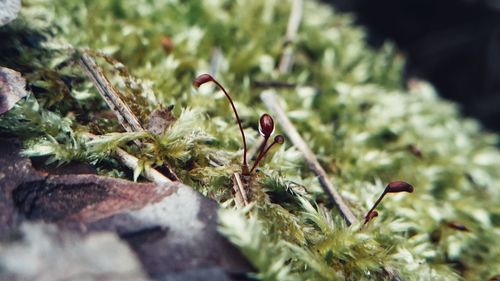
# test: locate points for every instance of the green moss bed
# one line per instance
(348, 101)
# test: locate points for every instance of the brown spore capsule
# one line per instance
(399, 186)
(279, 139)
(167, 44)
(202, 79)
(266, 125)
(371, 216)
(393, 187)
(457, 226)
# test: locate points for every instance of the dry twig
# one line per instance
(273, 105)
(215, 61)
(291, 33)
(273, 84)
(240, 196)
(132, 162)
(122, 111)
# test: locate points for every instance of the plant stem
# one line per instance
(239, 124)
(375, 205)
(272, 103)
(261, 155)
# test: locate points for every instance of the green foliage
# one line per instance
(267, 253)
(349, 104)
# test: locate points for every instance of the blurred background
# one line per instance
(454, 44)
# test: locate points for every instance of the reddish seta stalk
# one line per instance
(393, 187)
(279, 139)
(266, 126)
(204, 78)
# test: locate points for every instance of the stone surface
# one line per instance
(14, 171)
(83, 197)
(12, 87)
(210, 274)
(47, 253)
(9, 10)
(172, 229)
(175, 234)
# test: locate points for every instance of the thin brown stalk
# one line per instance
(289, 129)
(238, 120)
(254, 150)
(262, 151)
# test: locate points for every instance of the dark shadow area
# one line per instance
(455, 44)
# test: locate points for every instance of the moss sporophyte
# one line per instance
(393, 187)
(266, 127)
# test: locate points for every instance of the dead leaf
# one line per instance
(12, 87)
(160, 119)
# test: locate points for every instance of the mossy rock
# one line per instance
(350, 102)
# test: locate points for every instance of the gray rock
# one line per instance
(172, 229)
(11, 86)
(203, 274)
(46, 253)
(14, 170)
(9, 10)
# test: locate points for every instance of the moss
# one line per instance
(350, 105)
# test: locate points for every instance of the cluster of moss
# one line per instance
(348, 101)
